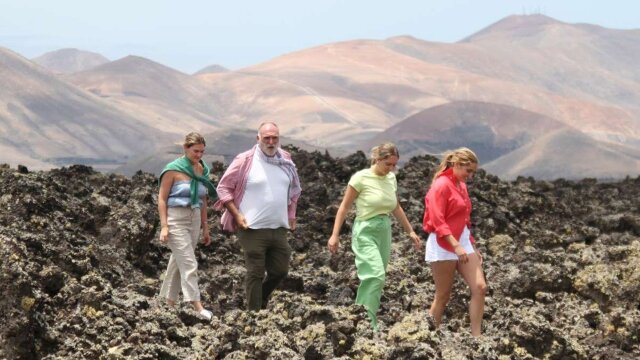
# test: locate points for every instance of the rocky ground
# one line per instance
(81, 268)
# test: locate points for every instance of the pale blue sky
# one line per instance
(191, 34)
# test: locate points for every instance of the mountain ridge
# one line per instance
(345, 94)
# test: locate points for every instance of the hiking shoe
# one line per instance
(205, 314)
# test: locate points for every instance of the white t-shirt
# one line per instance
(266, 196)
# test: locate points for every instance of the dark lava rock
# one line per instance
(81, 266)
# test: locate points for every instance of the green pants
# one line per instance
(371, 244)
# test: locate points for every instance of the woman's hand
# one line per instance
(206, 238)
(417, 243)
(164, 235)
(333, 244)
(461, 254)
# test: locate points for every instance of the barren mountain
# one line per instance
(222, 145)
(343, 95)
(491, 130)
(567, 153)
(212, 69)
(346, 92)
(576, 60)
(66, 61)
(47, 121)
(166, 98)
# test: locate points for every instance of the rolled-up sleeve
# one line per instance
(293, 200)
(437, 201)
(227, 184)
(291, 208)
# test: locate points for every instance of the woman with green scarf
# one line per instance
(182, 205)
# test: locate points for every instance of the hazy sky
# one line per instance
(191, 34)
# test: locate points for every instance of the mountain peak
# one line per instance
(212, 69)
(70, 60)
(136, 64)
(515, 24)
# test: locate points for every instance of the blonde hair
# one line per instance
(463, 156)
(383, 151)
(193, 138)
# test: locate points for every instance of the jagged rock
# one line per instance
(81, 269)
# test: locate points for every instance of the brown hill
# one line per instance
(576, 60)
(222, 145)
(491, 130)
(344, 93)
(47, 121)
(165, 98)
(66, 61)
(211, 69)
(590, 64)
(567, 153)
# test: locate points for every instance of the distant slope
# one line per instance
(50, 121)
(222, 145)
(580, 61)
(11, 156)
(166, 98)
(344, 93)
(211, 69)
(566, 59)
(67, 61)
(569, 154)
(491, 130)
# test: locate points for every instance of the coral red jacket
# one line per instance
(447, 209)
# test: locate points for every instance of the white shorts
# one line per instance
(435, 252)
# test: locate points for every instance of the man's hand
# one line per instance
(242, 222)
(292, 224)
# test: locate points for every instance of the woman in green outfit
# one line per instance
(374, 191)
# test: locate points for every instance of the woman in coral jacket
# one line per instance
(450, 245)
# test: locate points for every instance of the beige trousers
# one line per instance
(182, 270)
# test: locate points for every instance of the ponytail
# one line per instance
(462, 156)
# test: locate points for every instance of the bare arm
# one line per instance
(350, 196)
(163, 196)
(235, 212)
(206, 237)
(457, 248)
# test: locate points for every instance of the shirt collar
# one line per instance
(448, 173)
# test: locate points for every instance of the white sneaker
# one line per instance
(205, 314)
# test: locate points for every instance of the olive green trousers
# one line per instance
(264, 250)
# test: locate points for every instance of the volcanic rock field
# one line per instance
(81, 269)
